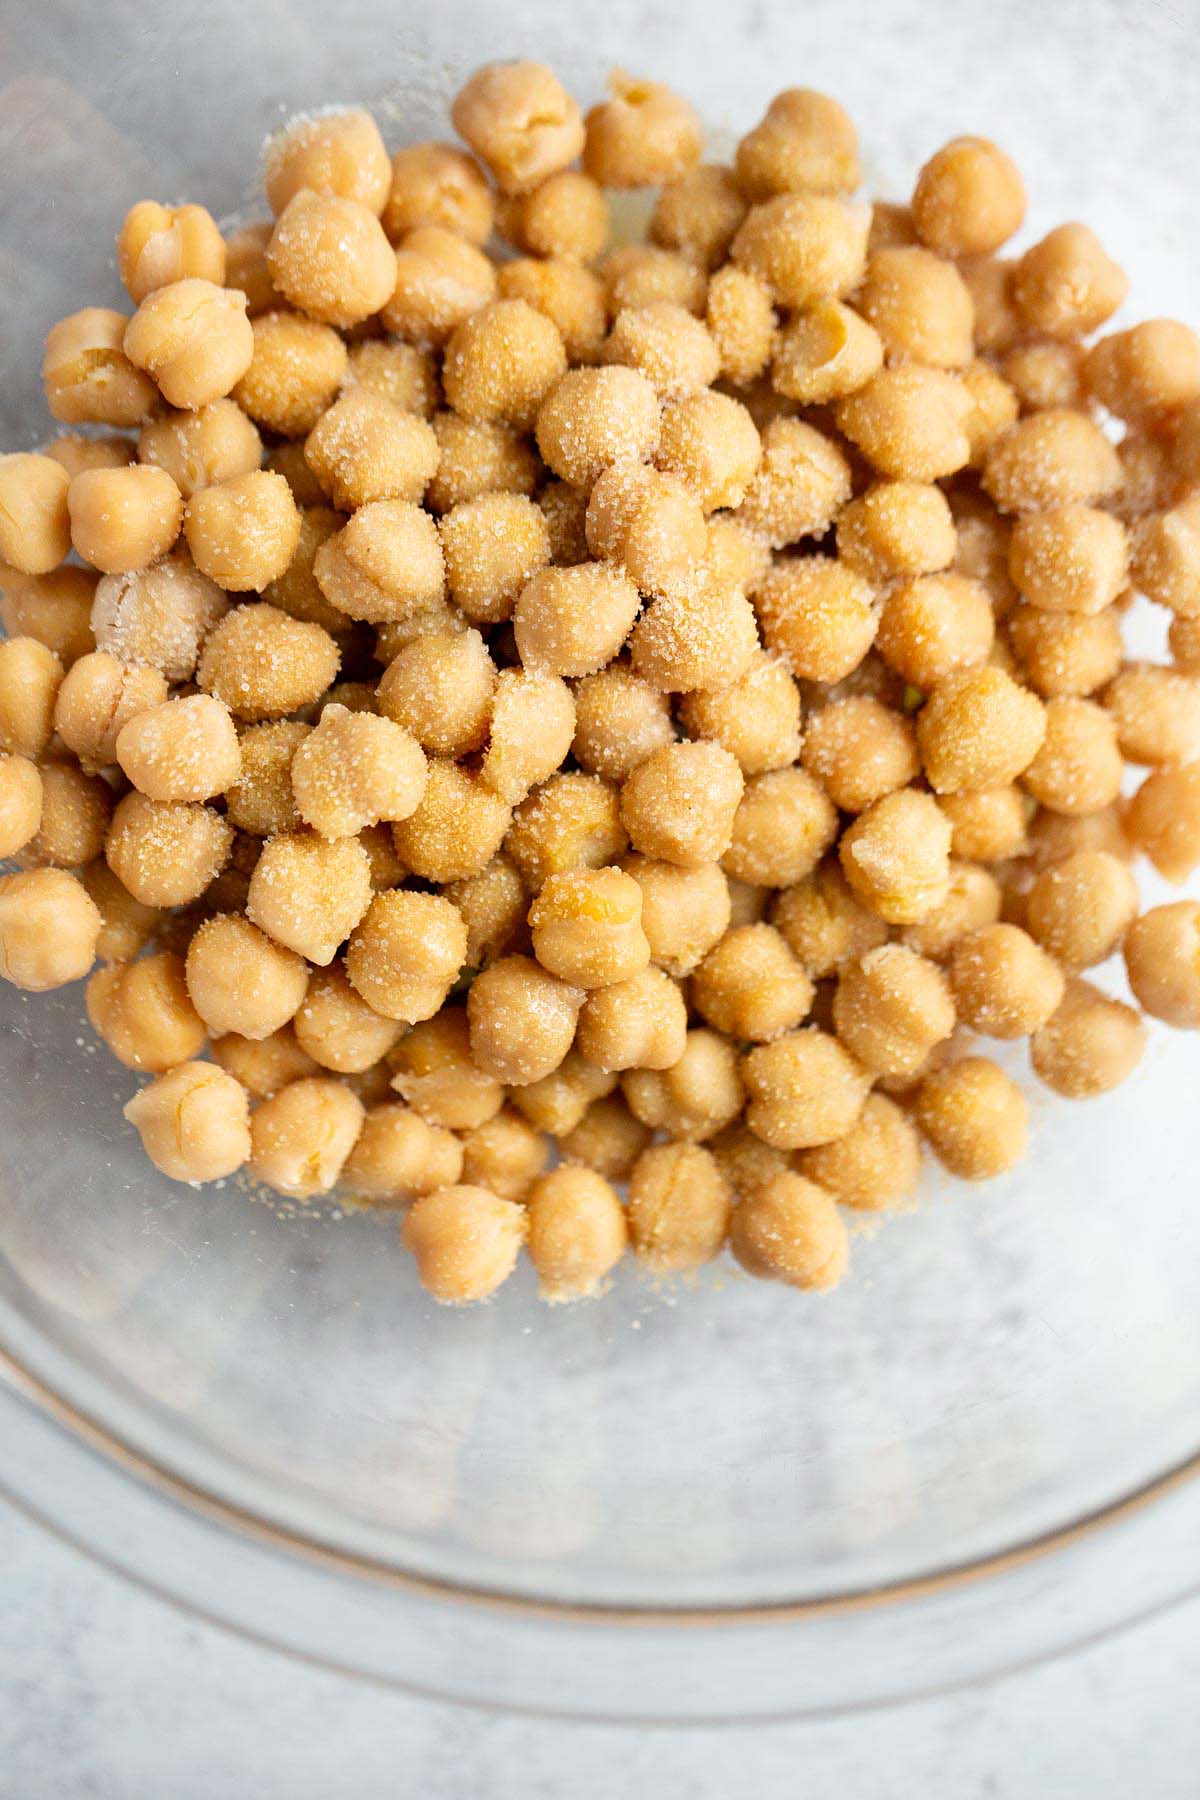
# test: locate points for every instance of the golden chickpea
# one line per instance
(337, 1029)
(437, 1076)
(980, 729)
(198, 449)
(405, 954)
(818, 615)
(577, 1233)
(892, 1009)
(736, 556)
(896, 529)
(465, 1241)
(679, 804)
(365, 448)
(439, 281)
(157, 245)
(1045, 373)
(932, 626)
(126, 925)
(1066, 285)
(398, 1156)
(1070, 558)
(30, 679)
(556, 1103)
(35, 526)
(261, 801)
(876, 1164)
(1165, 562)
(911, 422)
(750, 986)
(860, 750)
(184, 749)
(263, 1066)
(652, 525)
(572, 821)
(711, 443)
(741, 322)
(640, 274)
(158, 617)
(1078, 768)
(1089, 1045)
(329, 257)
(566, 216)
(295, 371)
(397, 372)
(803, 1089)
(1149, 479)
(385, 564)
(76, 809)
(804, 246)
(637, 1023)
(744, 1160)
(699, 214)
(493, 544)
(520, 121)
(166, 854)
(896, 856)
(1164, 820)
(587, 927)
(679, 1208)
(440, 689)
(693, 1099)
(193, 1122)
(89, 378)
(994, 407)
(123, 519)
(457, 828)
(1156, 711)
(1054, 459)
(193, 339)
(974, 1117)
(338, 152)
(493, 905)
(644, 136)
(20, 803)
(55, 609)
(756, 718)
(805, 142)
(240, 981)
(684, 911)
(1004, 984)
(969, 198)
(667, 345)
(246, 266)
(790, 1230)
(570, 296)
(608, 1139)
(522, 1020)
(532, 718)
(355, 770)
(619, 719)
(594, 417)
(49, 926)
(826, 352)
(1184, 643)
(263, 664)
(1066, 653)
(1162, 959)
(573, 621)
(920, 307)
(302, 1136)
(436, 184)
(502, 362)
(1147, 373)
(783, 825)
(504, 1154)
(309, 893)
(972, 900)
(989, 824)
(1079, 909)
(243, 533)
(824, 924)
(989, 279)
(297, 591)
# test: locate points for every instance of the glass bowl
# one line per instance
(718, 1500)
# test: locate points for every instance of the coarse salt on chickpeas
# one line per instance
(1165, 560)
(912, 422)
(805, 142)
(1065, 653)
(569, 295)
(365, 448)
(30, 679)
(123, 519)
(593, 417)
(804, 246)
(974, 1117)
(520, 122)
(501, 362)
(980, 729)
(679, 1208)
(398, 1156)
(693, 1099)
(875, 1165)
(860, 749)
(711, 443)
(679, 804)
(1183, 640)
(49, 926)
(803, 1089)
(1044, 372)
(818, 615)
(757, 717)
(1070, 558)
(619, 719)
(89, 378)
(1089, 1044)
(897, 528)
(263, 664)
(261, 800)
(1145, 374)
(919, 305)
(246, 266)
(577, 1232)
(465, 1241)
(456, 829)
(405, 953)
(240, 981)
(782, 827)
(824, 923)
(790, 1230)
(193, 1122)
(969, 198)
(1005, 985)
(741, 320)
(76, 809)
(301, 1136)
(309, 893)
(572, 821)
(35, 525)
(896, 856)
(750, 986)
(933, 625)
(295, 371)
(1056, 458)
(891, 1009)
(1078, 768)
(644, 135)
(1162, 959)
(651, 524)
(493, 904)
(556, 1103)
(573, 621)
(336, 152)
(522, 1020)
(243, 533)
(1163, 820)
(439, 687)
(329, 256)
(492, 545)
(1157, 714)
(385, 564)
(989, 824)
(397, 372)
(183, 749)
(166, 853)
(636, 1023)
(1066, 285)
(608, 1138)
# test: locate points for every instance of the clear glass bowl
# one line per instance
(721, 1500)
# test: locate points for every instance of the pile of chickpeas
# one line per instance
(545, 713)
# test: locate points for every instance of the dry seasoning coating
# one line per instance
(661, 702)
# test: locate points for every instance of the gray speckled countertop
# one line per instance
(106, 1694)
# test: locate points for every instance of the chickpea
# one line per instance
(790, 1230)
(465, 1241)
(564, 509)
(405, 954)
(783, 825)
(1079, 909)
(1184, 642)
(398, 1156)
(756, 718)
(619, 719)
(198, 449)
(860, 750)
(365, 448)
(572, 821)
(1147, 373)
(126, 925)
(55, 609)
(297, 591)
(639, 275)
(1065, 286)
(309, 893)
(263, 1066)
(337, 1029)
(911, 422)
(157, 245)
(437, 1076)
(158, 617)
(1066, 653)
(973, 899)
(493, 545)
(804, 246)
(493, 904)
(1148, 477)
(570, 296)
(679, 804)
(440, 689)
(980, 729)
(667, 345)
(636, 1023)
(522, 1020)
(330, 258)
(1164, 820)
(969, 198)
(440, 280)
(1089, 1045)
(1078, 768)
(892, 1009)
(240, 981)
(876, 1165)
(531, 724)
(693, 1099)
(89, 378)
(566, 216)
(436, 184)
(355, 770)
(1162, 959)
(76, 809)
(592, 418)
(896, 856)
(302, 1136)
(296, 369)
(919, 306)
(806, 142)
(736, 556)
(684, 911)
(1055, 459)
(20, 803)
(1045, 373)
(193, 1122)
(1070, 558)
(994, 407)
(827, 351)
(557, 1102)
(166, 853)
(502, 362)
(1004, 984)
(35, 526)
(243, 533)
(183, 749)
(823, 923)
(193, 339)
(818, 615)
(30, 679)
(261, 801)
(989, 824)
(520, 121)
(608, 1139)
(587, 927)
(896, 529)
(397, 372)
(123, 519)
(1157, 714)
(710, 442)
(932, 626)
(385, 564)
(457, 828)
(803, 1089)
(263, 664)
(339, 153)
(573, 621)
(974, 1117)
(644, 136)
(577, 1232)
(1166, 558)
(679, 1208)
(741, 321)
(698, 214)
(246, 266)
(650, 523)
(49, 926)
(1054, 836)
(505, 1155)
(750, 986)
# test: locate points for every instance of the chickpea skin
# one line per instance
(501, 363)
(1146, 374)
(89, 378)
(974, 1118)
(594, 417)
(193, 1122)
(35, 524)
(790, 1230)
(679, 1208)
(301, 1137)
(123, 519)
(876, 1165)
(1162, 960)
(465, 1241)
(1165, 561)
(49, 926)
(896, 856)
(803, 1089)
(1089, 1045)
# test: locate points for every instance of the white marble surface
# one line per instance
(106, 1694)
